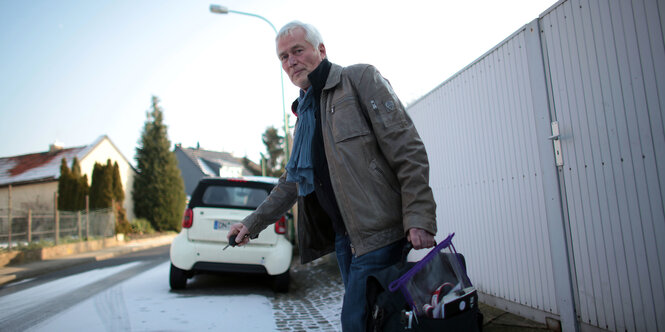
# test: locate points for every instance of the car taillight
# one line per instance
(280, 226)
(188, 218)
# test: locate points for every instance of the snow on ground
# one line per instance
(14, 303)
(145, 303)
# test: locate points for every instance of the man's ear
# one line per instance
(322, 50)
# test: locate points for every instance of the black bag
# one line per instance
(390, 311)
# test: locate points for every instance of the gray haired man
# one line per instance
(358, 170)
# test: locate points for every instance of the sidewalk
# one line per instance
(322, 273)
(317, 290)
(14, 273)
(497, 320)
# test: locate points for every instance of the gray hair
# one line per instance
(312, 36)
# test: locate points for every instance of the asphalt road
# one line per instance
(41, 303)
(312, 303)
(18, 314)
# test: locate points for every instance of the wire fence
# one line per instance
(19, 227)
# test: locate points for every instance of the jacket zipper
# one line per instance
(374, 107)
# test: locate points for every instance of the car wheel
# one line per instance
(280, 282)
(177, 278)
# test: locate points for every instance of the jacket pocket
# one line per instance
(389, 109)
(382, 177)
(346, 119)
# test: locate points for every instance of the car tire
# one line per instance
(177, 278)
(280, 282)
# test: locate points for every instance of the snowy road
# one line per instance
(145, 303)
(131, 293)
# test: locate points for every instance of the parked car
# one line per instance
(215, 205)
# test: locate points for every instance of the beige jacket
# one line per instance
(378, 168)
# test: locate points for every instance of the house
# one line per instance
(195, 163)
(33, 178)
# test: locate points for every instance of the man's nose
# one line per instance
(292, 61)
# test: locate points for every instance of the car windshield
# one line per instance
(237, 197)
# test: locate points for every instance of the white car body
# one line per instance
(199, 248)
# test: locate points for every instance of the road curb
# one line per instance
(33, 269)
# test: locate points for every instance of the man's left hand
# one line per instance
(420, 238)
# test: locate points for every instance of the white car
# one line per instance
(215, 205)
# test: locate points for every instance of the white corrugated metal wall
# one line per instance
(606, 63)
(478, 129)
(492, 173)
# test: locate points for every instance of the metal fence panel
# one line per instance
(98, 223)
(606, 62)
(605, 66)
(478, 131)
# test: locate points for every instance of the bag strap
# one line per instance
(405, 253)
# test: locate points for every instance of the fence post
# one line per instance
(57, 218)
(78, 222)
(87, 217)
(29, 225)
(113, 231)
(9, 219)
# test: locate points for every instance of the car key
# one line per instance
(232, 243)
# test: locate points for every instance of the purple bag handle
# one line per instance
(409, 274)
(400, 283)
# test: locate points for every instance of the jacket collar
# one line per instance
(334, 76)
(319, 76)
(320, 79)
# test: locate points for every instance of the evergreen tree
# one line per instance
(76, 168)
(276, 163)
(64, 187)
(79, 185)
(122, 224)
(72, 187)
(118, 192)
(84, 191)
(101, 189)
(159, 191)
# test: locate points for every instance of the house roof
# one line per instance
(210, 161)
(42, 166)
(36, 167)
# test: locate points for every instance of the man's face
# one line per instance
(298, 57)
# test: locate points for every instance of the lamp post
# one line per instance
(217, 9)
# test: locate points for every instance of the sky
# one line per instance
(72, 71)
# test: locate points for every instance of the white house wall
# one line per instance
(35, 197)
(100, 153)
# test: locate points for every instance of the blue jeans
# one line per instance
(355, 270)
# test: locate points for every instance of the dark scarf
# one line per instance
(300, 168)
(307, 150)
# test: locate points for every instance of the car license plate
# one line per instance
(222, 225)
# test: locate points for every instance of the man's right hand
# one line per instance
(420, 238)
(241, 233)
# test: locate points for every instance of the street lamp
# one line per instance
(217, 9)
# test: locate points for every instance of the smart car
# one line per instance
(216, 204)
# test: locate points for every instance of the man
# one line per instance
(358, 170)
